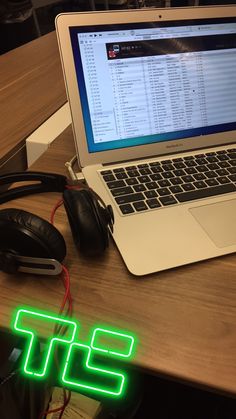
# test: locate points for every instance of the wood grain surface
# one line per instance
(184, 319)
(31, 90)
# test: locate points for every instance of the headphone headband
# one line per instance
(50, 182)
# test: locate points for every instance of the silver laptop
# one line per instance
(152, 95)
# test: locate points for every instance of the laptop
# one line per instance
(152, 95)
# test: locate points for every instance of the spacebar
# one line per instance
(205, 192)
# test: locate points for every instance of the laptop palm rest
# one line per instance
(219, 221)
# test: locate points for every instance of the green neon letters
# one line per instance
(82, 369)
(98, 371)
(32, 334)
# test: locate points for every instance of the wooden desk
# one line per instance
(185, 318)
(31, 90)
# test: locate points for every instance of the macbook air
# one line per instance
(152, 95)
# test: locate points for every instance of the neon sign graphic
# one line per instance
(80, 369)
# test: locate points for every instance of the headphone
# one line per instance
(29, 243)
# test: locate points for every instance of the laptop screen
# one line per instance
(159, 81)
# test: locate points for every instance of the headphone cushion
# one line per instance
(89, 230)
(30, 235)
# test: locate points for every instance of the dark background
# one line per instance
(24, 20)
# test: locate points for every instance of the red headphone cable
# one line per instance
(66, 299)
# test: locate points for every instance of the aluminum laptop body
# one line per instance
(152, 95)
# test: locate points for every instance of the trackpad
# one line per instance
(219, 221)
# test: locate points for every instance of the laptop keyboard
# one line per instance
(159, 184)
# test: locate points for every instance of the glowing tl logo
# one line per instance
(90, 375)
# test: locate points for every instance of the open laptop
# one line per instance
(152, 95)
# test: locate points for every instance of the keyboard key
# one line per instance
(122, 191)
(167, 167)
(168, 175)
(116, 184)
(164, 183)
(222, 172)
(211, 153)
(109, 178)
(199, 176)
(223, 180)
(166, 161)
(200, 184)
(232, 177)
(121, 175)
(188, 187)
(142, 166)
(163, 191)
(205, 193)
(132, 173)
(132, 181)
(144, 179)
(126, 209)
(188, 178)
(203, 168)
(213, 166)
(212, 159)
(189, 158)
(190, 170)
(232, 155)
(223, 164)
(150, 194)
(201, 161)
(191, 163)
(145, 171)
(131, 168)
(223, 157)
(153, 203)
(126, 199)
(199, 156)
(156, 176)
(140, 206)
(212, 182)
(176, 181)
(211, 174)
(179, 165)
(140, 187)
(168, 200)
(106, 172)
(176, 189)
(118, 170)
(154, 163)
(157, 169)
(151, 185)
(179, 172)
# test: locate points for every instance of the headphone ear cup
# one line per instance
(89, 225)
(29, 235)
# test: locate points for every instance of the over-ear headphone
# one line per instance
(28, 243)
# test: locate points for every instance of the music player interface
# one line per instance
(158, 83)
